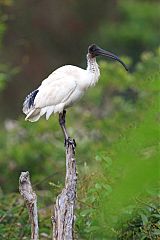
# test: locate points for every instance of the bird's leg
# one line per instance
(62, 122)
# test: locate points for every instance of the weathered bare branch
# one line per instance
(30, 198)
(63, 220)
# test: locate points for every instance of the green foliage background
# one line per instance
(116, 126)
(135, 29)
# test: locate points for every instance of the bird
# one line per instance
(64, 87)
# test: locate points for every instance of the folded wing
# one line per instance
(49, 98)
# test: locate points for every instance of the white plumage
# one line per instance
(65, 86)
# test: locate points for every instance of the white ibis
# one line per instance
(63, 87)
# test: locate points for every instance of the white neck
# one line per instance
(93, 68)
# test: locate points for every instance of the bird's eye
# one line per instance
(92, 49)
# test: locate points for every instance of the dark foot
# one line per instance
(70, 142)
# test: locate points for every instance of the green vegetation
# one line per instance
(2, 66)
(6, 71)
(128, 167)
(135, 29)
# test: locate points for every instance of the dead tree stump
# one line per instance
(30, 198)
(64, 218)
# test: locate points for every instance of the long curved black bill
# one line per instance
(105, 53)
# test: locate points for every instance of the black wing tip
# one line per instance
(32, 97)
(29, 100)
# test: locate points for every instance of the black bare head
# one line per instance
(95, 51)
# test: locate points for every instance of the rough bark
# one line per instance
(63, 219)
(30, 198)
